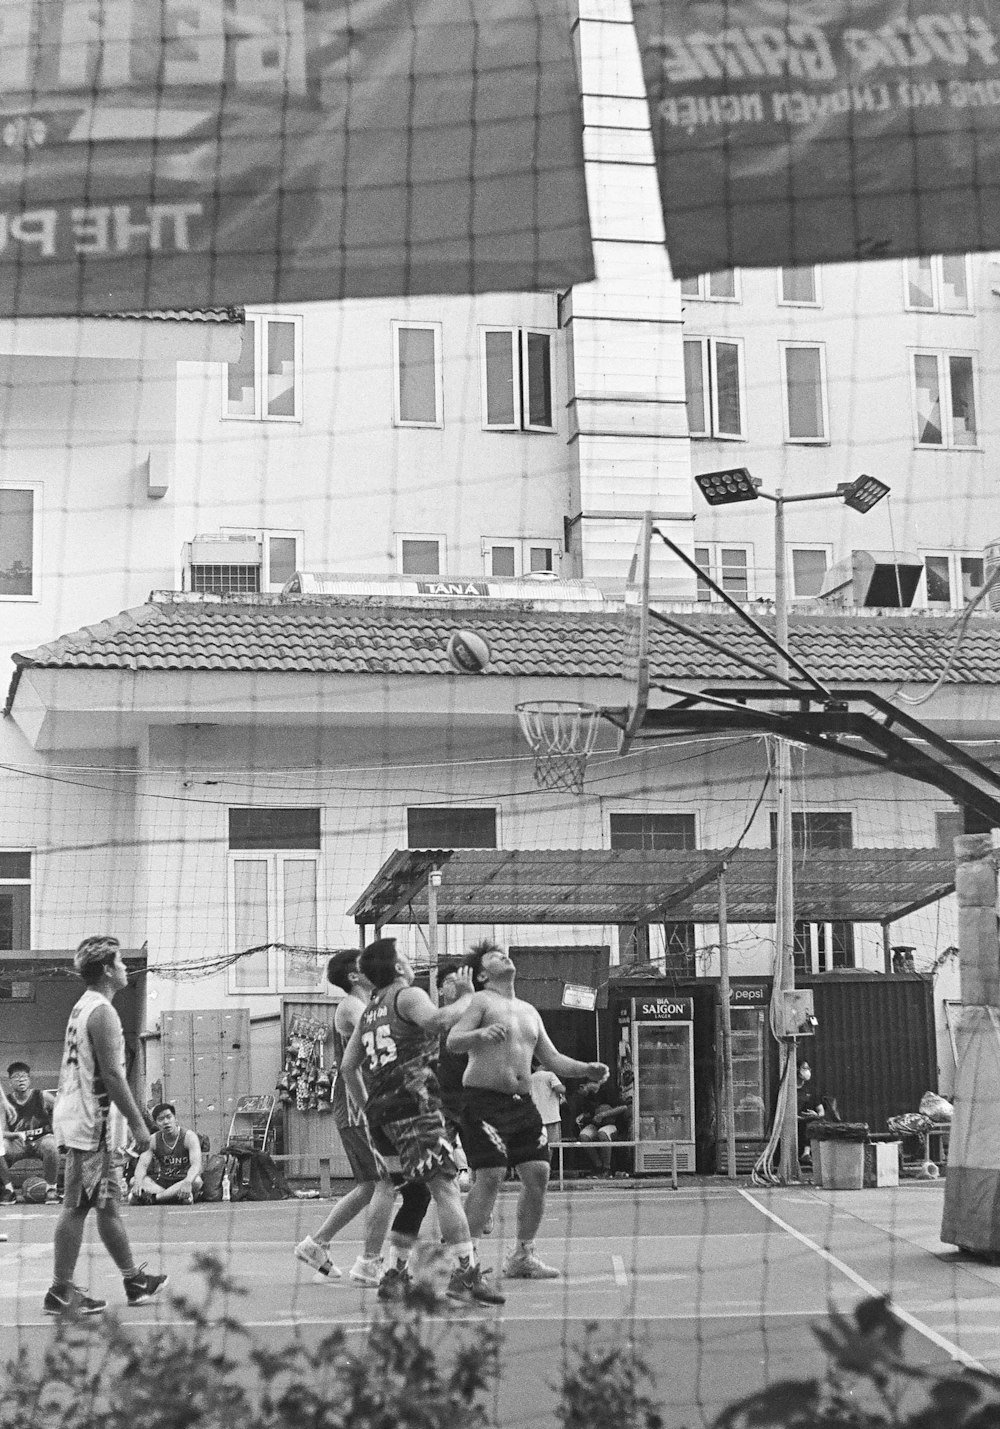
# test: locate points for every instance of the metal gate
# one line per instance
(206, 1067)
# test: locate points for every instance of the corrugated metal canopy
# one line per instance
(861, 885)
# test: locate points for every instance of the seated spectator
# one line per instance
(28, 1133)
(599, 1121)
(813, 1105)
(176, 1153)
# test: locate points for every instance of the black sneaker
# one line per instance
(7, 1196)
(395, 1284)
(140, 1287)
(70, 1300)
(470, 1286)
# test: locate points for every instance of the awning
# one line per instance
(607, 886)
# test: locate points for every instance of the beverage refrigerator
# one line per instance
(663, 1066)
(748, 1018)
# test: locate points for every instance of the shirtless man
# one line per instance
(501, 1126)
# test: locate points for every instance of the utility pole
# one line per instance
(785, 899)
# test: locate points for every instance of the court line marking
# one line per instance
(954, 1351)
(619, 1268)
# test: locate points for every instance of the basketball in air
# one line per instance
(468, 653)
(34, 1189)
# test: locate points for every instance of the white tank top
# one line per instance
(84, 1117)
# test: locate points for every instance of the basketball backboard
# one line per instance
(635, 653)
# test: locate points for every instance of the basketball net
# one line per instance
(561, 734)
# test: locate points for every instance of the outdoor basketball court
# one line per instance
(718, 1287)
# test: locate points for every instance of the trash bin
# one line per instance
(838, 1149)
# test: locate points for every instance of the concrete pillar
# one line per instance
(972, 1189)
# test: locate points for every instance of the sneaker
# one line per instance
(52, 1196)
(3, 1237)
(71, 1301)
(395, 1284)
(315, 1255)
(367, 1271)
(7, 1196)
(525, 1265)
(470, 1286)
(140, 1287)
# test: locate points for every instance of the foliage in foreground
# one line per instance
(408, 1370)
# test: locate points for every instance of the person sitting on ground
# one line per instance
(29, 1131)
(177, 1152)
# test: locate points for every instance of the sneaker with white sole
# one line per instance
(70, 1300)
(140, 1287)
(367, 1270)
(312, 1253)
(525, 1265)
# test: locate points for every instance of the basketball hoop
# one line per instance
(561, 734)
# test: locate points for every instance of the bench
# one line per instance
(560, 1148)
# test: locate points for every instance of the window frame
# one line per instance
(617, 811)
(824, 547)
(493, 809)
(704, 293)
(806, 845)
(265, 534)
(442, 546)
(715, 549)
(710, 386)
(278, 983)
(956, 600)
(943, 357)
(800, 344)
(262, 319)
(936, 304)
(520, 361)
(26, 883)
(35, 488)
(815, 302)
(398, 420)
(822, 931)
(522, 546)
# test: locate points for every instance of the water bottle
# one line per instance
(226, 1189)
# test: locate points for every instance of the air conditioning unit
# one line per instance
(224, 565)
(991, 559)
(884, 579)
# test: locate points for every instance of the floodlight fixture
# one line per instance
(722, 488)
(862, 494)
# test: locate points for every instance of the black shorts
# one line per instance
(359, 1153)
(499, 1129)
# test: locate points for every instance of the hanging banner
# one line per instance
(195, 153)
(823, 131)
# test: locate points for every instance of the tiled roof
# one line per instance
(333, 635)
(184, 315)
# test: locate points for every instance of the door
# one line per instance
(206, 1067)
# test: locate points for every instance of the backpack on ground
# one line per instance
(212, 1171)
(254, 1176)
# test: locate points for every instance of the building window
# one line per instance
(948, 824)
(516, 377)
(799, 287)
(518, 556)
(823, 947)
(15, 901)
(803, 367)
(951, 580)
(420, 555)
(273, 897)
(451, 828)
(809, 566)
(19, 529)
(721, 287)
(944, 399)
(816, 829)
(417, 389)
(713, 384)
(652, 832)
(242, 562)
(728, 566)
(265, 384)
(938, 284)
